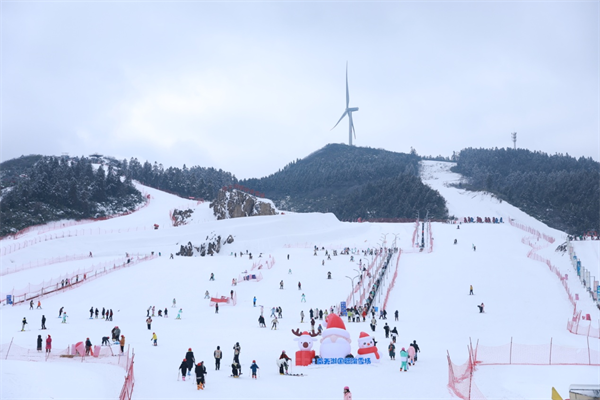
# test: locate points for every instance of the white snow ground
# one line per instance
(523, 299)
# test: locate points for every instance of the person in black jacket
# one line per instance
(39, 343)
(184, 368)
(236, 352)
(218, 355)
(200, 372)
(88, 346)
(235, 368)
(191, 360)
(43, 322)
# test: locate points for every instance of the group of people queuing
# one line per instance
(407, 357)
(152, 309)
(107, 314)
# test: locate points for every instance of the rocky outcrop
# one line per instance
(234, 203)
(211, 246)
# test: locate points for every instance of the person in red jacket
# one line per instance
(48, 344)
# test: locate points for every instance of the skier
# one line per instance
(212, 277)
(174, 303)
(160, 314)
(43, 322)
(392, 351)
(60, 312)
(261, 322)
(88, 346)
(24, 323)
(39, 306)
(283, 362)
(184, 369)
(396, 315)
(122, 344)
(206, 295)
(179, 314)
(92, 312)
(480, 308)
(299, 286)
(254, 301)
(154, 338)
(417, 349)
(218, 355)
(166, 313)
(411, 355)
(394, 333)
(274, 323)
(110, 314)
(115, 333)
(328, 275)
(148, 311)
(39, 343)
(281, 285)
(347, 394)
(31, 304)
(303, 299)
(149, 322)
(302, 316)
(48, 344)
(386, 328)
(470, 290)
(189, 356)
(216, 308)
(153, 309)
(200, 372)
(254, 368)
(404, 359)
(237, 349)
(96, 313)
(373, 324)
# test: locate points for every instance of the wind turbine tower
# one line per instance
(349, 110)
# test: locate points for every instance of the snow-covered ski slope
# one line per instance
(523, 300)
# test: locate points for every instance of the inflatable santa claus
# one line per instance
(335, 341)
(367, 348)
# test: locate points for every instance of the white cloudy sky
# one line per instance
(250, 86)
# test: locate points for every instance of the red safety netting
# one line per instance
(72, 280)
(460, 379)
(393, 280)
(529, 229)
(41, 263)
(127, 391)
(261, 263)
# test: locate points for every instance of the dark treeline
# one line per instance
(348, 182)
(10, 170)
(562, 191)
(55, 188)
(196, 182)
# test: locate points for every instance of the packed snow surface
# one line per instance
(523, 301)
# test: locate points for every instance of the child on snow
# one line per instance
(404, 359)
(254, 368)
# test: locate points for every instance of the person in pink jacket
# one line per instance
(48, 344)
(411, 355)
(347, 394)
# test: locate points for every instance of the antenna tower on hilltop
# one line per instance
(514, 139)
(349, 110)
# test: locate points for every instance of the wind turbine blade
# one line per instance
(347, 92)
(342, 117)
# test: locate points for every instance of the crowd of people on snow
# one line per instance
(489, 220)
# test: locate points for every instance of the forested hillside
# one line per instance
(10, 170)
(61, 188)
(196, 182)
(350, 182)
(562, 191)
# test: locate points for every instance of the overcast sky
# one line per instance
(249, 87)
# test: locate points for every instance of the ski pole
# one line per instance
(178, 373)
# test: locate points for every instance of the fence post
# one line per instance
(550, 351)
(588, 344)
(9, 346)
(510, 355)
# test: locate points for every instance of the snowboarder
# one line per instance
(48, 344)
(149, 322)
(154, 338)
(43, 322)
(183, 368)
(470, 290)
(303, 299)
(480, 308)
(24, 323)
(283, 362)
(39, 343)
(218, 355)
(404, 359)
(254, 367)
(200, 372)
(235, 368)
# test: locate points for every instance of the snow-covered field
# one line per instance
(524, 301)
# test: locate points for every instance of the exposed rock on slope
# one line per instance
(234, 204)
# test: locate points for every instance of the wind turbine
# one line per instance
(348, 111)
